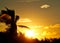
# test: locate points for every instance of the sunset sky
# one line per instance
(42, 16)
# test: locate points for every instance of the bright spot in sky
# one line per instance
(29, 34)
(45, 6)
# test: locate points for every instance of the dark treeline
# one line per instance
(23, 39)
(10, 36)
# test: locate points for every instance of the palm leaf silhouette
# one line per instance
(23, 26)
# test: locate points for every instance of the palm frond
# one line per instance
(23, 26)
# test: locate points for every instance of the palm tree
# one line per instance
(8, 17)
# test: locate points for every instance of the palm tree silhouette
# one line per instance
(8, 17)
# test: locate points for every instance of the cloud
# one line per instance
(55, 26)
(36, 26)
(25, 20)
(45, 6)
(45, 31)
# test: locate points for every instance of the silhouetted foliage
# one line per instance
(8, 17)
(10, 36)
(23, 26)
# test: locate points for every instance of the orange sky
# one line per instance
(41, 32)
(42, 16)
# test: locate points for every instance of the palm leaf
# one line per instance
(23, 26)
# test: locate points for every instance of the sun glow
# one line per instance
(29, 34)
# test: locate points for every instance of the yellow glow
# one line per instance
(29, 34)
(44, 33)
(37, 31)
(46, 27)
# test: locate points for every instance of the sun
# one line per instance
(29, 34)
